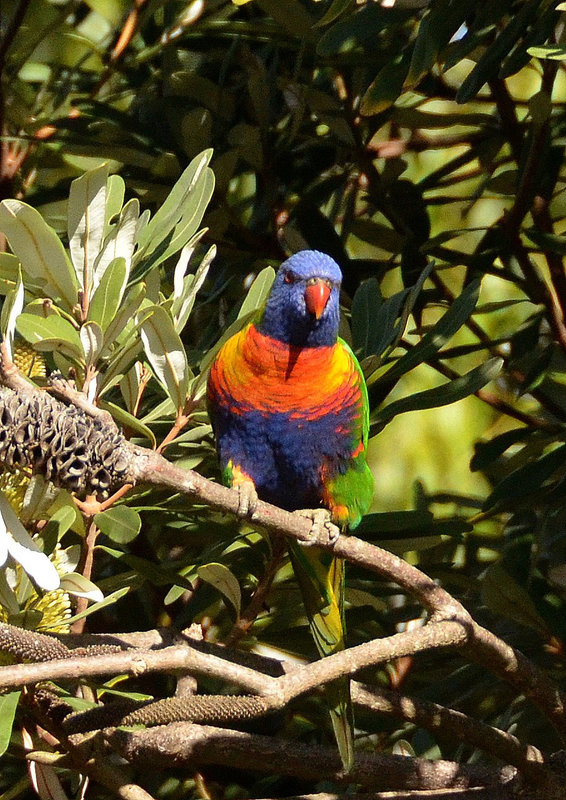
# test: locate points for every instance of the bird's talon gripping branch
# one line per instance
(323, 530)
(247, 498)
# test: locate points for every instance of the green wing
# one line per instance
(352, 489)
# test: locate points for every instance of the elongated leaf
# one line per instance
(108, 295)
(130, 387)
(8, 705)
(224, 581)
(502, 594)
(183, 305)
(488, 65)
(92, 339)
(444, 329)
(86, 218)
(386, 86)
(126, 420)
(11, 310)
(115, 191)
(125, 313)
(487, 452)
(78, 585)
(19, 544)
(184, 205)
(365, 306)
(109, 600)
(527, 479)
(120, 242)
(258, 292)
(50, 333)
(39, 249)
(439, 23)
(442, 395)
(166, 354)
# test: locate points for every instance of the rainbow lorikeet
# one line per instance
(289, 409)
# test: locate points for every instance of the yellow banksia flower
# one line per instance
(14, 486)
(29, 361)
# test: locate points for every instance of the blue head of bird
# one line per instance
(303, 306)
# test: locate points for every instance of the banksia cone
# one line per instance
(69, 448)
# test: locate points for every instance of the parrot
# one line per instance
(289, 408)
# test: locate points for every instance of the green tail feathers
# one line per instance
(321, 579)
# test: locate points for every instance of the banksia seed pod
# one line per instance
(69, 448)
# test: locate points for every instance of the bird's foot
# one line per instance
(323, 530)
(247, 498)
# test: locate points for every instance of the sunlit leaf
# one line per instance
(78, 585)
(92, 339)
(119, 243)
(166, 354)
(16, 541)
(219, 576)
(8, 705)
(108, 295)
(50, 333)
(86, 218)
(39, 249)
(11, 309)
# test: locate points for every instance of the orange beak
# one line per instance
(316, 297)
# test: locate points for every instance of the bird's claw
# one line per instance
(323, 531)
(247, 498)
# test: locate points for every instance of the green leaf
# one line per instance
(11, 310)
(86, 218)
(447, 393)
(258, 292)
(124, 314)
(527, 479)
(115, 191)
(489, 63)
(184, 301)
(224, 581)
(386, 86)
(166, 354)
(487, 452)
(503, 595)
(8, 705)
(119, 243)
(366, 305)
(179, 216)
(350, 33)
(392, 521)
(92, 339)
(437, 337)
(439, 23)
(548, 241)
(553, 51)
(127, 420)
(336, 9)
(40, 250)
(120, 523)
(51, 333)
(108, 294)
(108, 601)
(78, 585)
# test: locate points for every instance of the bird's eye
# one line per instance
(290, 277)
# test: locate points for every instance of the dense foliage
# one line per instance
(157, 158)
